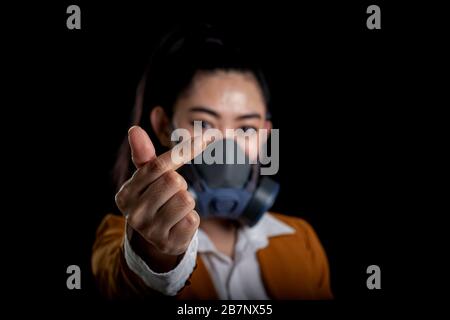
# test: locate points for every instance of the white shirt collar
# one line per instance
(258, 235)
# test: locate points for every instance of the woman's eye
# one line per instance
(248, 129)
(204, 124)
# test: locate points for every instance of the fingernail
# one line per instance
(132, 128)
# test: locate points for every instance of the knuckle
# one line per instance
(171, 179)
(162, 245)
(175, 247)
(192, 219)
(186, 199)
(183, 183)
(120, 200)
(157, 165)
(136, 216)
(122, 196)
(151, 235)
(142, 171)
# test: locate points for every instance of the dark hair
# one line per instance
(179, 56)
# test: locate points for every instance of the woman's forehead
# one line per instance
(225, 92)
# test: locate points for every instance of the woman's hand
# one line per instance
(160, 211)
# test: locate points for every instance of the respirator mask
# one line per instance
(229, 188)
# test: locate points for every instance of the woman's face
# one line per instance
(222, 100)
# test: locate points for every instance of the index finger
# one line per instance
(175, 158)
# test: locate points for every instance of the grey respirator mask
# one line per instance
(229, 189)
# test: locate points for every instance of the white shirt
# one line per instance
(238, 278)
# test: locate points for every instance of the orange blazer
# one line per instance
(293, 266)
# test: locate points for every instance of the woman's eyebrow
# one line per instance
(205, 110)
(216, 115)
(249, 116)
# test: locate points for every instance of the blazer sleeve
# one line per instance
(114, 278)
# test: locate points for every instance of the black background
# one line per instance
(341, 99)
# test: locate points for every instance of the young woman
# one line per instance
(179, 233)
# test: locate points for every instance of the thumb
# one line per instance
(142, 149)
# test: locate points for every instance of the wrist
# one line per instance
(157, 261)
